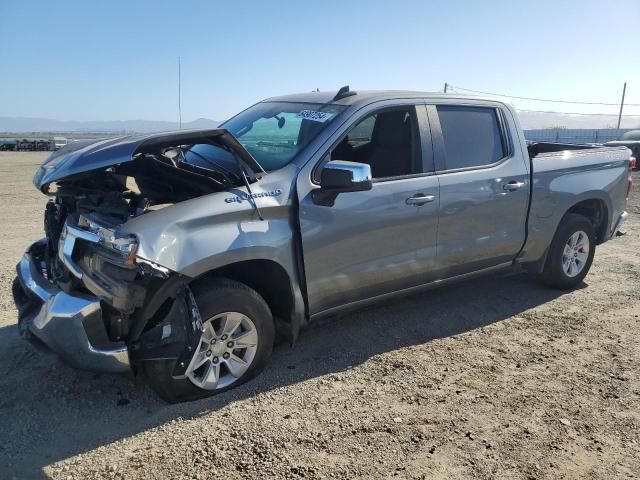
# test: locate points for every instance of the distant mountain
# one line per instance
(534, 120)
(529, 120)
(46, 125)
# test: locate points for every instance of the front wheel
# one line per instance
(236, 343)
(571, 253)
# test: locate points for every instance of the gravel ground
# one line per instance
(515, 381)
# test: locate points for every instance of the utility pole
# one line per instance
(179, 92)
(446, 86)
(624, 90)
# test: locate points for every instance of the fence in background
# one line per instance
(32, 144)
(557, 135)
(568, 135)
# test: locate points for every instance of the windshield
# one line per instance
(272, 132)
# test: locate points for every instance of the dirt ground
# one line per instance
(498, 378)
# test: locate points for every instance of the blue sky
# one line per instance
(117, 60)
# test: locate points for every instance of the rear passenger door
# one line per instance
(484, 187)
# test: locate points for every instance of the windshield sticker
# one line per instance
(315, 116)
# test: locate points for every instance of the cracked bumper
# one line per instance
(71, 325)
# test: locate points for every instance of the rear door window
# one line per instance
(472, 136)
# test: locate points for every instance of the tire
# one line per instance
(214, 298)
(20, 298)
(555, 274)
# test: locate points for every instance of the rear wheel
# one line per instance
(571, 253)
(235, 345)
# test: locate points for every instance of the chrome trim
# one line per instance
(83, 234)
(59, 323)
(67, 244)
(623, 216)
(360, 172)
(43, 291)
(64, 306)
(420, 199)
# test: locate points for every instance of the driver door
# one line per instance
(374, 242)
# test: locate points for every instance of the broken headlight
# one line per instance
(122, 246)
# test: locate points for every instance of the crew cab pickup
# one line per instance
(184, 255)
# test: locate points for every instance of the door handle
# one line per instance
(512, 186)
(420, 199)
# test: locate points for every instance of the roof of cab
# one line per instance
(368, 96)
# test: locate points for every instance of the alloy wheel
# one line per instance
(226, 349)
(575, 254)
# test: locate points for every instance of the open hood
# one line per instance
(81, 157)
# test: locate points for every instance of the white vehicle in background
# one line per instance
(59, 142)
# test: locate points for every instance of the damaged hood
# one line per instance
(82, 157)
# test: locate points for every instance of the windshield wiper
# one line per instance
(252, 200)
(247, 175)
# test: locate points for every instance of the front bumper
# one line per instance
(69, 324)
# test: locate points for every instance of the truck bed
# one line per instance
(565, 175)
(540, 148)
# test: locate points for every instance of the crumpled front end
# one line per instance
(94, 305)
(70, 324)
(83, 290)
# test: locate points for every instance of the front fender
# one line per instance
(204, 233)
(199, 235)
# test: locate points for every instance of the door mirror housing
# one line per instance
(338, 176)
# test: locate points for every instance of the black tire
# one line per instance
(214, 297)
(554, 275)
(20, 298)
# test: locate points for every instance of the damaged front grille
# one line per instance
(55, 216)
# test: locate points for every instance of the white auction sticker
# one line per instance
(315, 116)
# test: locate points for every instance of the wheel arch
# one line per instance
(597, 211)
(272, 282)
(593, 205)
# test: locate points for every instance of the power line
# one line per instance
(574, 113)
(541, 99)
(545, 111)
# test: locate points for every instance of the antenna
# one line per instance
(179, 99)
(343, 93)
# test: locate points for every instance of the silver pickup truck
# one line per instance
(185, 255)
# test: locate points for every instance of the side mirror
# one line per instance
(338, 176)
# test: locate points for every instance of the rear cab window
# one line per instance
(472, 136)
